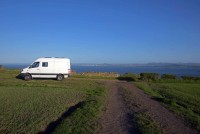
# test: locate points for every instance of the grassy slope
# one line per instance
(84, 119)
(183, 98)
(28, 107)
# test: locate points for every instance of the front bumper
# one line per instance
(20, 76)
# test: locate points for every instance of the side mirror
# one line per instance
(29, 67)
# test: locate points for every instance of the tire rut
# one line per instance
(116, 119)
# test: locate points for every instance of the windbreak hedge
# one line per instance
(149, 76)
(156, 77)
(128, 77)
(190, 78)
(168, 76)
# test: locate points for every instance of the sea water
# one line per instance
(178, 71)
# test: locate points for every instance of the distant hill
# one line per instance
(168, 65)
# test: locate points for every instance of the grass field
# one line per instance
(74, 105)
(33, 106)
(181, 97)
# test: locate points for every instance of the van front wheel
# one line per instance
(27, 77)
(60, 77)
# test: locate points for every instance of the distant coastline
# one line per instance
(168, 65)
(178, 69)
(196, 65)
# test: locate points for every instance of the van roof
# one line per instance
(53, 58)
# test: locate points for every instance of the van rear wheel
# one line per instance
(60, 77)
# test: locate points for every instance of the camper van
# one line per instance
(48, 67)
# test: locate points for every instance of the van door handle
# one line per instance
(38, 69)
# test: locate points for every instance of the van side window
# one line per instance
(35, 64)
(44, 64)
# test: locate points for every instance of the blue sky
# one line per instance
(100, 31)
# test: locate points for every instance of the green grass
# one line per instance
(146, 124)
(181, 97)
(30, 106)
(84, 119)
(147, 88)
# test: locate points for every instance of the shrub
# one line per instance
(190, 78)
(1, 67)
(168, 76)
(128, 77)
(149, 76)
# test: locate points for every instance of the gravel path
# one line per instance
(168, 121)
(116, 118)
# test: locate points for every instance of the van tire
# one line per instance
(27, 77)
(60, 77)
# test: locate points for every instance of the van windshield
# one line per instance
(35, 64)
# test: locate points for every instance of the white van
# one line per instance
(48, 67)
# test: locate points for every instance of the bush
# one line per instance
(128, 77)
(1, 67)
(149, 76)
(190, 78)
(168, 76)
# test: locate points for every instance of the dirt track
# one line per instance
(116, 117)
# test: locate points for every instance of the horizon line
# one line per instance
(122, 63)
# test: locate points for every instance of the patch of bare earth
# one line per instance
(117, 116)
